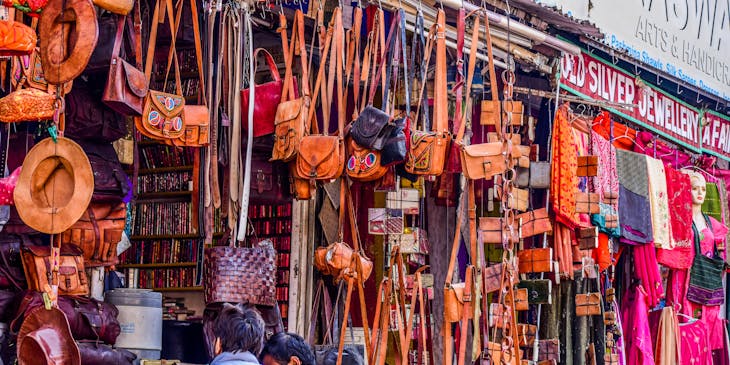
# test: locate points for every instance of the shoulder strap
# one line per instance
(469, 79)
(121, 20)
(199, 52)
(458, 88)
(490, 55)
(440, 106)
(424, 72)
(382, 62)
(352, 64)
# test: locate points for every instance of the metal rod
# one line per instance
(574, 99)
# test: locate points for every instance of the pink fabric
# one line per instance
(646, 269)
(695, 346)
(635, 320)
(607, 179)
(647, 144)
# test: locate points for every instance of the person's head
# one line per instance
(350, 356)
(699, 186)
(287, 349)
(239, 329)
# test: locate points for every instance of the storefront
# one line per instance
(424, 183)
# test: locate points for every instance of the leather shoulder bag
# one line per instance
(292, 113)
(427, 151)
(71, 275)
(98, 232)
(268, 96)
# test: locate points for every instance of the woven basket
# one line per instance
(240, 275)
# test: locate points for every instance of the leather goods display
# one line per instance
(535, 222)
(336, 260)
(126, 85)
(122, 7)
(45, 338)
(587, 238)
(520, 299)
(62, 59)
(268, 96)
(539, 291)
(500, 315)
(94, 353)
(427, 151)
(535, 260)
(526, 333)
(587, 166)
(89, 319)
(240, 274)
(16, 38)
(57, 169)
(27, 105)
(587, 203)
(494, 230)
(372, 128)
(705, 280)
(162, 114)
(98, 232)
(110, 180)
(518, 199)
(71, 275)
(503, 353)
(588, 304)
(89, 118)
(293, 112)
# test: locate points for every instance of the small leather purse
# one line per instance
(71, 275)
(535, 222)
(587, 166)
(587, 203)
(587, 238)
(548, 350)
(492, 230)
(535, 260)
(363, 164)
(126, 86)
(520, 299)
(500, 315)
(526, 334)
(588, 304)
(539, 291)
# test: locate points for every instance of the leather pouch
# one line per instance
(587, 238)
(320, 158)
(500, 315)
(502, 354)
(289, 125)
(611, 221)
(609, 318)
(268, 97)
(549, 349)
(520, 300)
(97, 233)
(492, 278)
(363, 164)
(336, 259)
(427, 152)
(126, 86)
(539, 291)
(495, 111)
(372, 128)
(493, 230)
(196, 129)
(535, 222)
(27, 105)
(454, 299)
(587, 166)
(587, 203)
(588, 304)
(610, 197)
(526, 334)
(162, 117)
(483, 161)
(535, 260)
(71, 275)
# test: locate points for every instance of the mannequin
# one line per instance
(699, 190)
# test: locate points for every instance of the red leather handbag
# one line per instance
(266, 100)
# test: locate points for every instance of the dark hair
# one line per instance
(240, 329)
(350, 356)
(282, 346)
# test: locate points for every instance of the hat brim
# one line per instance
(52, 220)
(49, 319)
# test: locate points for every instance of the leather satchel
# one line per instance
(428, 149)
(455, 296)
(268, 96)
(98, 232)
(364, 164)
(293, 112)
(587, 166)
(535, 222)
(535, 260)
(493, 230)
(336, 260)
(588, 304)
(71, 275)
(484, 160)
(126, 85)
(110, 180)
(587, 203)
(372, 128)
(88, 318)
(240, 274)
(94, 353)
(539, 291)
(520, 302)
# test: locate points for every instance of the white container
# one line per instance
(140, 318)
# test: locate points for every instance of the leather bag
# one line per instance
(94, 353)
(535, 260)
(588, 304)
(122, 7)
(535, 222)
(27, 105)
(364, 164)
(587, 203)
(503, 353)
(268, 96)
(88, 118)
(16, 38)
(587, 166)
(526, 333)
(126, 85)
(240, 274)
(98, 232)
(587, 238)
(427, 150)
(88, 318)
(292, 113)
(539, 291)
(110, 180)
(336, 260)
(485, 160)
(493, 230)
(11, 265)
(372, 128)
(519, 303)
(71, 275)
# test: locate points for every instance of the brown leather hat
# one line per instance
(64, 53)
(55, 186)
(45, 339)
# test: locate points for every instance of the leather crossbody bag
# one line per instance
(292, 113)
(427, 150)
(71, 275)
(98, 232)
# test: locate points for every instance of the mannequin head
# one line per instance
(699, 187)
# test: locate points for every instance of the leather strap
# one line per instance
(490, 55)
(469, 80)
(418, 57)
(246, 192)
(297, 40)
(353, 59)
(469, 283)
(458, 88)
(441, 99)
(121, 20)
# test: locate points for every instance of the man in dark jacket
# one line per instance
(239, 336)
(287, 349)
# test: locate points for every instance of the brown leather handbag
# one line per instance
(587, 238)
(71, 275)
(535, 260)
(292, 113)
(240, 274)
(588, 304)
(98, 232)
(535, 222)
(336, 260)
(587, 166)
(587, 203)
(126, 85)
(363, 164)
(493, 230)
(520, 299)
(427, 150)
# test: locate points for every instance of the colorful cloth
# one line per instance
(637, 335)
(646, 270)
(679, 194)
(622, 137)
(665, 332)
(633, 213)
(649, 145)
(607, 179)
(712, 205)
(599, 220)
(633, 172)
(694, 344)
(659, 203)
(563, 178)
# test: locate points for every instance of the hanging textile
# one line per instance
(695, 347)
(646, 270)
(563, 178)
(679, 194)
(623, 136)
(634, 206)
(659, 203)
(665, 331)
(637, 335)
(712, 205)
(607, 178)
(649, 145)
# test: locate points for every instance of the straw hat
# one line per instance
(55, 185)
(45, 339)
(80, 17)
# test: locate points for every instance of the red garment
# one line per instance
(602, 125)
(646, 269)
(602, 254)
(679, 193)
(563, 173)
(647, 143)
(635, 324)
(695, 347)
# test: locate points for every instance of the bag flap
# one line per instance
(169, 105)
(370, 122)
(135, 78)
(315, 149)
(196, 115)
(490, 224)
(67, 270)
(490, 106)
(483, 149)
(458, 290)
(92, 317)
(288, 110)
(418, 137)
